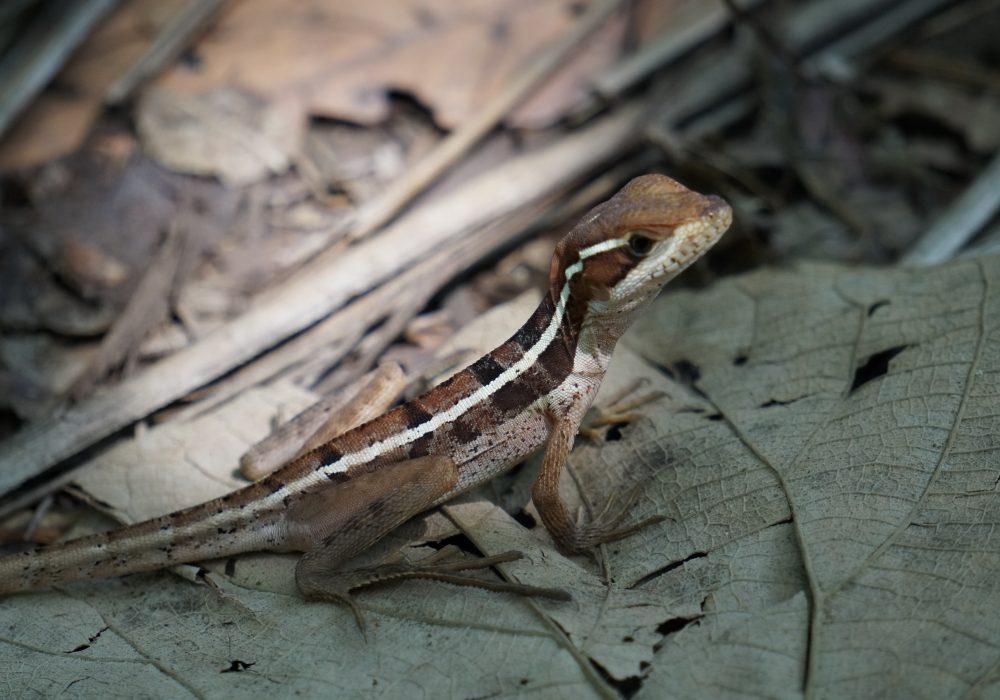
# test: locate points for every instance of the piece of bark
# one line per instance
(373, 399)
(331, 416)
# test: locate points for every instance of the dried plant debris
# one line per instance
(341, 59)
(822, 437)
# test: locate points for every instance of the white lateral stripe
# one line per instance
(601, 247)
(529, 358)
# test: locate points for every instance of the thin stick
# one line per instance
(966, 215)
(147, 306)
(678, 38)
(41, 50)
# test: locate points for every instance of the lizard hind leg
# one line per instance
(342, 521)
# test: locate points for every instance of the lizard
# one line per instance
(530, 392)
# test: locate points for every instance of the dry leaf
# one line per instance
(58, 121)
(181, 464)
(342, 58)
(837, 493)
(235, 136)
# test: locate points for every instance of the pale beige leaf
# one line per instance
(183, 463)
(232, 135)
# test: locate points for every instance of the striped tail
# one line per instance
(206, 531)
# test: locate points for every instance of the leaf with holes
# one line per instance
(835, 498)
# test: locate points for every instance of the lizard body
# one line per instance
(530, 392)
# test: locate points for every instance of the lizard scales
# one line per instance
(531, 391)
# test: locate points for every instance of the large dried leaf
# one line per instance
(836, 497)
(826, 460)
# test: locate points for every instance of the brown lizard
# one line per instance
(530, 392)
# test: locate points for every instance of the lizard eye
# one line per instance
(639, 244)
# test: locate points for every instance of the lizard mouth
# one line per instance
(718, 212)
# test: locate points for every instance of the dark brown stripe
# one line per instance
(514, 397)
(463, 431)
(538, 379)
(486, 369)
(328, 454)
(528, 335)
(415, 415)
(557, 361)
(421, 447)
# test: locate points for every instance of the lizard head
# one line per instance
(624, 250)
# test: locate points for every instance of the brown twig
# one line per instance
(332, 415)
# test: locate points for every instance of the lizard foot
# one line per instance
(620, 409)
(444, 565)
(605, 526)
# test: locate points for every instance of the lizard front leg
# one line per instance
(619, 409)
(568, 534)
(342, 520)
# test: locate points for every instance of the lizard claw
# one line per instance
(604, 527)
(444, 565)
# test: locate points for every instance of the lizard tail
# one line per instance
(178, 538)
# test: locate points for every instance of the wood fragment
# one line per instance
(373, 399)
(332, 415)
(146, 308)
